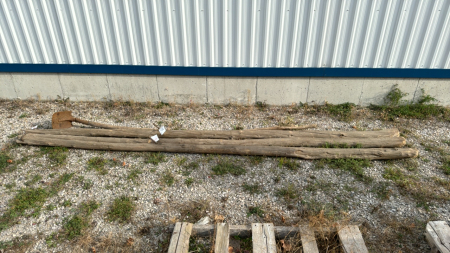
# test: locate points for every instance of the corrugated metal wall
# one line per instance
(228, 33)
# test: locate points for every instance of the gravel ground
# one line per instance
(391, 223)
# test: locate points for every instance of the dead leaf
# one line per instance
(124, 163)
(114, 159)
(219, 218)
(9, 161)
(93, 250)
(130, 241)
(285, 246)
(283, 219)
(230, 249)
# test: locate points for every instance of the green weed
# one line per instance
(188, 181)
(255, 160)
(252, 188)
(33, 180)
(56, 155)
(5, 162)
(98, 164)
(287, 163)
(226, 167)
(23, 115)
(154, 158)
(255, 210)
(395, 107)
(13, 135)
(121, 209)
(168, 178)
(288, 192)
(354, 166)
(74, 226)
(134, 175)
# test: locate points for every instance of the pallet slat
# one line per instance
(222, 238)
(352, 240)
(263, 236)
(179, 243)
(309, 244)
(438, 236)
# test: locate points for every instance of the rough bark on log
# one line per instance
(217, 134)
(286, 128)
(384, 142)
(304, 153)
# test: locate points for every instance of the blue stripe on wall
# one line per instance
(226, 71)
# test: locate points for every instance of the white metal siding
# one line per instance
(228, 33)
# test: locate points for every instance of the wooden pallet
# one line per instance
(438, 236)
(263, 237)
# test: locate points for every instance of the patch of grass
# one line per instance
(255, 160)
(261, 105)
(121, 209)
(227, 167)
(74, 226)
(288, 192)
(238, 127)
(58, 184)
(161, 105)
(354, 166)
(33, 180)
(396, 107)
(188, 168)
(255, 210)
(23, 115)
(13, 135)
(27, 198)
(52, 240)
(56, 155)
(50, 207)
(252, 188)
(193, 211)
(189, 181)
(168, 178)
(133, 175)
(180, 161)
(154, 158)
(88, 207)
(288, 163)
(87, 184)
(246, 244)
(382, 190)
(66, 203)
(5, 162)
(446, 165)
(98, 164)
(196, 246)
(10, 185)
(410, 164)
(320, 185)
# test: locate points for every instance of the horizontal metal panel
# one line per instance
(228, 33)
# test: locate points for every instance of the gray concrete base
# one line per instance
(216, 90)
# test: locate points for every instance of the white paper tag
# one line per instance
(155, 138)
(162, 130)
(34, 127)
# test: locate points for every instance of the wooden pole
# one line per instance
(304, 153)
(383, 142)
(217, 134)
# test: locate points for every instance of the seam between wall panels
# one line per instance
(157, 88)
(14, 85)
(415, 92)
(207, 97)
(256, 89)
(60, 85)
(109, 88)
(362, 91)
(307, 91)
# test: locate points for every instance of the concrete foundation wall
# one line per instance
(216, 90)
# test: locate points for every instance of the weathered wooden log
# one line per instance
(281, 232)
(217, 134)
(286, 128)
(383, 142)
(304, 153)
